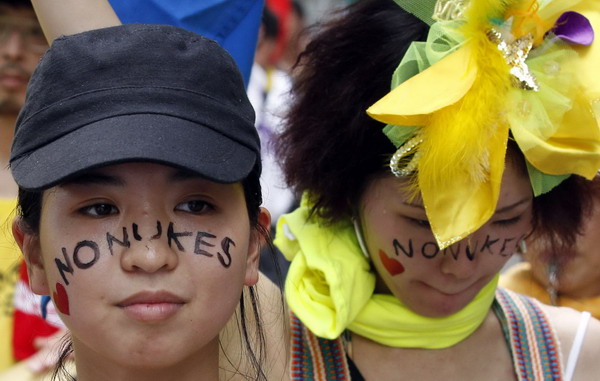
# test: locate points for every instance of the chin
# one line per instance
(438, 311)
(438, 307)
(11, 104)
(159, 359)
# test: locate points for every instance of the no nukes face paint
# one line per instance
(502, 246)
(87, 253)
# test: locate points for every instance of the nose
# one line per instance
(13, 46)
(151, 254)
(460, 261)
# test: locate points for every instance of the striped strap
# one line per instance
(534, 344)
(315, 358)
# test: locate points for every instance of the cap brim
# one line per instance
(141, 137)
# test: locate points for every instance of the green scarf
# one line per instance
(330, 287)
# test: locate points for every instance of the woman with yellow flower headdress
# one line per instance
(489, 133)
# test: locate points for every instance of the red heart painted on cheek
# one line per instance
(391, 265)
(61, 299)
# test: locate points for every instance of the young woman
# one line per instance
(400, 237)
(139, 202)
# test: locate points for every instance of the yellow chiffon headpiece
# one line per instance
(488, 70)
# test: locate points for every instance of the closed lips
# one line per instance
(152, 306)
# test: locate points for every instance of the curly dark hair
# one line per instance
(331, 148)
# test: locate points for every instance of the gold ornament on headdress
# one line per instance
(448, 10)
(516, 53)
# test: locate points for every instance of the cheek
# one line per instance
(395, 245)
(407, 255)
(394, 254)
(391, 264)
(31, 61)
(77, 272)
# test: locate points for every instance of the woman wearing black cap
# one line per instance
(139, 201)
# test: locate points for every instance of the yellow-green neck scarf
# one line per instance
(330, 287)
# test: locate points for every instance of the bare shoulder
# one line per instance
(234, 360)
(566, 322)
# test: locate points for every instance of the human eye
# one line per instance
(99, 210)
(36, 32)
(194, 206)
(419, 222)
(508, 221)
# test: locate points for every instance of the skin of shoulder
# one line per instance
(565, 322)
(233, 361)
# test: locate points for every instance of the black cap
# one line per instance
(134, 92)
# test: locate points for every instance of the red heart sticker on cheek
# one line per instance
(391, 265)
(61, 299)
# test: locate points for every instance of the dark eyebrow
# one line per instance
(512, 206)
(94, 178)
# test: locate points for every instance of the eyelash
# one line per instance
(425, 223)
(91, 210)
(206, 207)
(508, 222)
(419, 223)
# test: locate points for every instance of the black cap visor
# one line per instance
(131, 138)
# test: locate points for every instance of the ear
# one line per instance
(30, 247)
(257, 241)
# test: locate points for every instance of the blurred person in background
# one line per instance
(570, 279)
(22, 43)
(296, 38)
(269, 93)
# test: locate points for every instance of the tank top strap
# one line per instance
(534, 345)
(315, 358)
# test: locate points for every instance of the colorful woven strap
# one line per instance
(315, 358)
(534, 345)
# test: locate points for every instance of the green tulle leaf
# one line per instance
(541, 182)
(398, 135)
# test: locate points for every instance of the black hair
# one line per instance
(270, 24)
(330, 148)
(29, 212)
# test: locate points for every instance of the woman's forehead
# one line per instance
(515, 188)
(118, 174)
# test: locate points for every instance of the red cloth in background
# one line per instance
(282, 10)
(28, 321)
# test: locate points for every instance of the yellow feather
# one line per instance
(457, 138)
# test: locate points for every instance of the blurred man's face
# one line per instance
(22, 43)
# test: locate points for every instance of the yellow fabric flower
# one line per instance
(465, 104)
